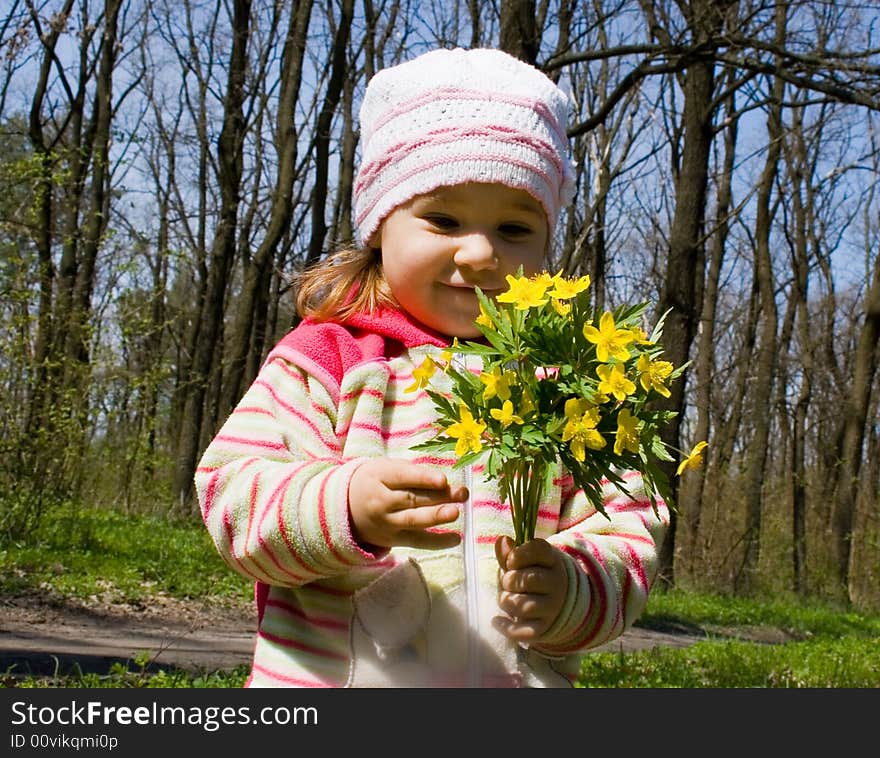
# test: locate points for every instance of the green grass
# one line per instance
(796, 617)
(75, 555)
(828, 647)
(133, 676)
(88, 552)
(825, 663)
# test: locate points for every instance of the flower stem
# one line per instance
(522, 486)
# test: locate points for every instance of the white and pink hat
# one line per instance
(455, 116)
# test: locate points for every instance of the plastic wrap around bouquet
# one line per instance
(557, 382)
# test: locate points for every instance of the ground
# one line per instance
(43, 635)
(53, 634)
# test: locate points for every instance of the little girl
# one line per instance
(375, 564)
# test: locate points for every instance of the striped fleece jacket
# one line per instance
(273, 490)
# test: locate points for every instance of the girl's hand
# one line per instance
(532, 588)
(395, 502)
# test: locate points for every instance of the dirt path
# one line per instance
(39, 637)
(42, 638)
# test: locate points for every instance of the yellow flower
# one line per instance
(524, 292)
(467, 431)
(563, 309)
(527, 405)
(505, 415)
(640, 336)
(448, 354)
(497, 383)
(483, 319)
(575, 407)
(580, 430)
(653, 374)
(422, 374)
(565, 289)
(627, 436)
(693, 460)
(609, 339)
(614, 381)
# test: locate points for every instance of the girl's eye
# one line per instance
(441, 222)
(514, 230)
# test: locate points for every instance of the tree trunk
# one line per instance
(765, 363)
(207, 346)
(691, 494)
(475, 14)
(678, 295)
(95, 222)
(44, 219)
(855, 413)
(58, 417)
(322, 131)
(252, 300)
(519, 33)
(683, 276)
(343, 229)
(802, 212)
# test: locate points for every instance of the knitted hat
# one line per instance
(455, 116)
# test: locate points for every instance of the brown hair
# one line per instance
(348, 281)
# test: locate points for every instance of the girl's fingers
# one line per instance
(402, 475)
(519, 631)
(522, 607)
(537, 552)
(532, 580)
(411, 499)
(503, 548)
(423, 517)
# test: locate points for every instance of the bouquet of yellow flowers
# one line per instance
(556, 381)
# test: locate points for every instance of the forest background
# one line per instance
(167, 167)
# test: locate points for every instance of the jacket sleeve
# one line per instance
(611, 562)
(273, 483)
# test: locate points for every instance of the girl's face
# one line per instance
(439, 246)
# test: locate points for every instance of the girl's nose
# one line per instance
(476, 251)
